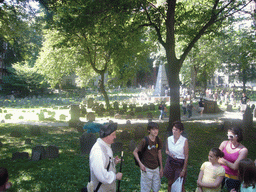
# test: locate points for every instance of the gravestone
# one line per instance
(18, 155)
(35, 131)
(128, 122)
(132, 145)
(36, 156)
(152, 107)
(116, 105)
(28, 141)
(117, 116)
(74, 112)
(139, 132)
(229, 108)
(87, 140)
(90, 116)
(74, 115)
(248, 119)
(52, 152)
(15, 134)
(211, 107)
(125, 107)
(139, 116)
(145, 107)
(117, 147)
(40, 149)
(82, 110)
(138, 109)
(90, 102)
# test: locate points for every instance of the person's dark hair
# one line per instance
(237, 131)
(3, 176)
(152, 125)
(247, 173)
(178, 125)
(217, 152)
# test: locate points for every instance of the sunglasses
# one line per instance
(231, 136)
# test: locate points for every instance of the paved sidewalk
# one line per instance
(195, 117)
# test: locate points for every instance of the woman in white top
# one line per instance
(177, 151)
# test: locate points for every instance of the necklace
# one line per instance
(234, 145)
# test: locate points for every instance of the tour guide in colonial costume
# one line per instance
(102, 163)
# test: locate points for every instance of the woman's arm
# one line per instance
(214, 185)
(242, 155)
(186, 150)
(222, 145)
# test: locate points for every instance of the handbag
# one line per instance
(177, 185)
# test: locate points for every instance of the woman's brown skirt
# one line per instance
(173, 167)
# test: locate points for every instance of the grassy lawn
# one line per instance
(69, 172)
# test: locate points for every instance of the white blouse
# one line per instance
(177, 149)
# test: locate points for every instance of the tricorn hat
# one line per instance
(107, 129)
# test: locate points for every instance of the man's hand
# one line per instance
(119, 176)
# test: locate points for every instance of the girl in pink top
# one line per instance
(233, 151)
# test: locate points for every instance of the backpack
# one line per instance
(140, 153)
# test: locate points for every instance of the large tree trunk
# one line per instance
(103, 91)
(173, 69)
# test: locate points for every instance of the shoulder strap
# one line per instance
(99, 184)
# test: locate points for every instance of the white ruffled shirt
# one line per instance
(100, 155)
(177, 149)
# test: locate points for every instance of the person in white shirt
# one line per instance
(102, 163)
(177, 151)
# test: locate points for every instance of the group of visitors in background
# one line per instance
(228, 165)
(188, 107)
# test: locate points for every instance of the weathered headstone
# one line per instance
(152, 107)
(28, 141)
(90, 116)
(36, 156)
(87, 140)
(145, 107)
(52, 152)
(229, 108)
(83, 110)
(15, 134)
(128, 122)
(138, 109)
(125, 107)
(117, 147)
(139, 116)
(90, 102)
(39, 149)
(18, 155)
(74, 115)
(117, 116)
(116, 105)
(132, 145)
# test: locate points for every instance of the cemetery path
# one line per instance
(195, 117)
